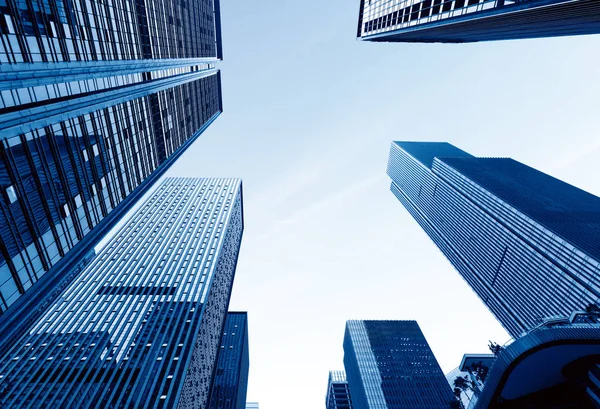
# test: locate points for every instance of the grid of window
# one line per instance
(61, 181)
(141, 323)
(390, 366)
(381, 16)
(474, 20)
(83, 30)
(231, 372)
(81, 85)
(521, 239)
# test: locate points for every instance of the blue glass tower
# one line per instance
(338, 391)
(141, 325)
(231, 371)
(389, 365)
(525, 242)
(97, 100)
(460, 21)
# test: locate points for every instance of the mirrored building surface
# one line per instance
(141, 325)
(459, 21)
(526, 243)
(97, 100)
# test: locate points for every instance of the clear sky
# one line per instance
(309, 114)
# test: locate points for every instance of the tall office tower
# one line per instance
(231, 371)
(389, 365)
(525, 242)
(97, 100)
(338, 391)
(461, 21)
(141, 325)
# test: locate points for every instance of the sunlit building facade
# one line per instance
(338, 391)
(141, 325)
(459, 21)
(389, 365)
(97, 100)
(525, 242)
(231, 371)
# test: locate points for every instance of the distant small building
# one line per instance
(231, 371)
(467, 395)
(338, 391)
(252, 405)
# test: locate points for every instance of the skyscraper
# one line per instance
(460, 21)
(525, 242)
(231, 371)
(389, 365)
(141, 325)
(338, 391)
(97, 100)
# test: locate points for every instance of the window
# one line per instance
(96, 150)
(11, 193)
(65, 210)
(85, 155)
(9, 24)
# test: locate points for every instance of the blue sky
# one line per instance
(309, 114)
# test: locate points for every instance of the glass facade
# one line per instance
(524, 241)
(338, 391)
(140, 325)
(458, 21)
(389, 365)
(97, 99)
(231, 371)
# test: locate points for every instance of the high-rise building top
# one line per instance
(141, 325)
(524, 241)
(231, 371)
(389, 365)
(97, 100)
(338, 391)
(459, 21)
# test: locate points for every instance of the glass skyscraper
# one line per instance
(231, 371)
(141, 325)
(460, 21)
(389, 365)
(338, 391)
(97, 100)
(525, 242)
